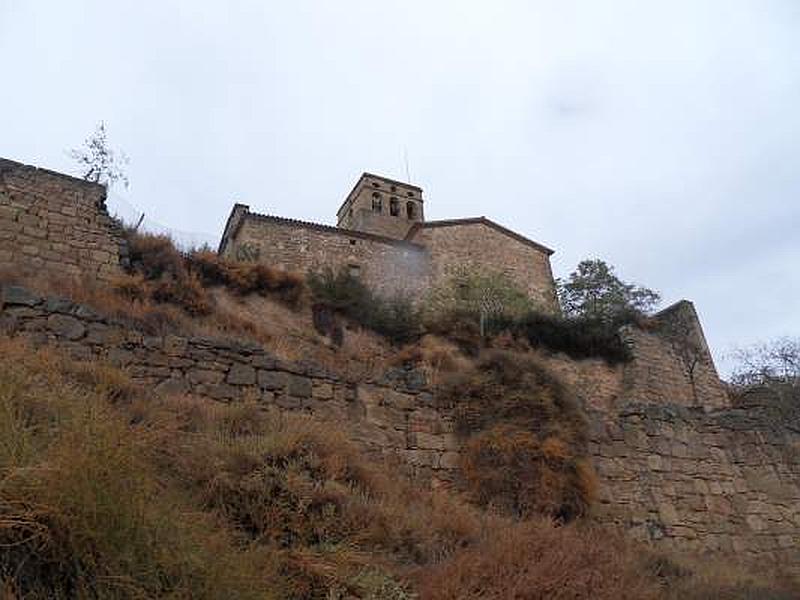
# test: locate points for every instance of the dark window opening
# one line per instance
(352, 242)
(393, 188)
(375, 184)
(410, 210)
(377, 204)
(394, 207)
(354, 270)
(410, 194)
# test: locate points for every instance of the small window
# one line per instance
(354, 270)
(410, 194)
(375, 184)
(377, 203)
(410, 210)
(352, 242)
(393, 188)
(394, 207)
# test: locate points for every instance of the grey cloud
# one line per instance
(660, 136)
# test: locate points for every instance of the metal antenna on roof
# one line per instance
(405, 159)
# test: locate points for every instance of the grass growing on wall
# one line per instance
(166, 275)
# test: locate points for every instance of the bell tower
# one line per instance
(381, 206)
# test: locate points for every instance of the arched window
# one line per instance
(410, 210)
(394, 207)
(377, 204)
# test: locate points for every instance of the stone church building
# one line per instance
(382, 236)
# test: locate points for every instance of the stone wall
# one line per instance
(475, 244)
(725, 481)
(672, 363)
(394, 417)
(53, 222)
(722, 482)
(388, 266)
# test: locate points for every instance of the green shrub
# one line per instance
(395, 318)
(578, 338)
(469, 291)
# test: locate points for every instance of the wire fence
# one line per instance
(123, 209)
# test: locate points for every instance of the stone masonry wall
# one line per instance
(386, 266)
(53, 222)
(725, 481)
(672, 363)
(480, 246)
(395, 417)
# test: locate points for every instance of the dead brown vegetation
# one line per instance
(107, 492)
(525, 438)
(169, 276)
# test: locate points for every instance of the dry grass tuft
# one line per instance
(82, 514)
(247, 278)
(435, 356)
(534, 560)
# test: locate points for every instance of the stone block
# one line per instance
(429, 441)
(174, 345)
(172, 386)
(322, 390)
(263, 361)
(668, 514)
(205, 376)
(221, 391)
(288, 402)
(240, 374)
(119, 357)
(59, 305)
(299, 386)
(450, 460)
(398, 400)
(66, 327)
(103, 335)
(13, 295)
(272, 380)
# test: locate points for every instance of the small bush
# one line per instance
(395, 318)
(166, 275)
(526, 439)
(468, 291)
(578, 338)
(246, 278)
(536, 560)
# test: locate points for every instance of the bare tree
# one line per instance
(98, 162)
(680, 330)
(775, 364)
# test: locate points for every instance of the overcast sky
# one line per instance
(663, 137)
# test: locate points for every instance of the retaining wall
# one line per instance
(724, 481)
(56, 223)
